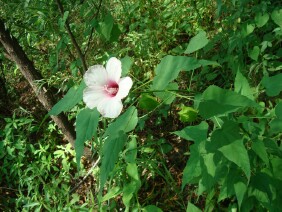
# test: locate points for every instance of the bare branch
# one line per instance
(73, 40)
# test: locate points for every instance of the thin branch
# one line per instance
(92, 30)
(84, 178)
(73, 40)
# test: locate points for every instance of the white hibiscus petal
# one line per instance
(110, 108)
(92, 96)
(124, 84)
(95, 75)
(113, 68)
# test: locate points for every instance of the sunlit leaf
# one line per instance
(73, 96)
(192, 208)
(276, 16)
(261, 19)
(242, 86)
(240, 190)
(170, 66)
(86, 126)
(195, 133)
(197, 42)
(124, 123)
(113, 192)
(187, 114)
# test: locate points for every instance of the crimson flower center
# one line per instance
(111, 89)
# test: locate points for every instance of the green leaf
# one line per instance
(276, 16)
(151, 208)
(167, 96)
(131, 151)
(197, 42)
(110, 152)
(192, 208)
(113, 192)
(126, 64)
(132, 171)
(278, 110)
(86, 126)
(273, 85)
(195, 133)
(170, 66)
(260, 150)
(125, 123)
(254, 53)
(187, 114)
(237, 153)
(105, 27)
(217, 101)
(276, 125)
(128, 192)
(261, 19)
(73, 96)
(240, 190)
(242, 86)
(148, 102)
(247, 29)
(193, 169)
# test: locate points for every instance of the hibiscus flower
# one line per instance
(105, 88)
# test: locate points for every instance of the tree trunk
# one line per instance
(17, 55)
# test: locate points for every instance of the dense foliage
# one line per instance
(201, 127)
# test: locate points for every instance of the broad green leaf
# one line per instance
(261, 19)
(260, 150)
(128, 192)
(208, 167)
(131, 151)
(276, 16)
(86, 126)
(187, 114)
(105, 27)
(193, 169)
(126, 63)
(278, 110)
(197, 42)
(192, 208)
(113, 192)
(125, 123)
(260, 187)
(170, 66)
(240, 190)
(218, 101)
(148, 102)
(273, 85)
(132, 171)
(242, 86)
(276, 125)
(151, 208)
(110, 152)
(254, 53)
(168, 96)
(247, 29)
(195, 133)
(276, 163)
(237, 153)
(73, 96)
